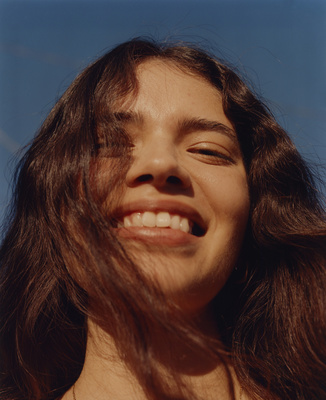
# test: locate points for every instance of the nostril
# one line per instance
(174, 180)
(158, 180)
(145, 178)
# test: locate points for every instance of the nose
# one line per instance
(157, 163)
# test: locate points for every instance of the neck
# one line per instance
(106, 376)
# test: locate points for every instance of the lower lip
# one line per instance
(157, 236)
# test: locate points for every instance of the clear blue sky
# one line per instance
(278, 44)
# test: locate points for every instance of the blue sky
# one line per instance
(279, 46)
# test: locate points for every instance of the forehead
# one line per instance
(168, 91)
(154, 74)
(161, 81)
(159, 71)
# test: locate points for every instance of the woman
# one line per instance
(166, 242)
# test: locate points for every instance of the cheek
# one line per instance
(228, 195)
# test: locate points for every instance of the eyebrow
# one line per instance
(202, 124)
(186, 125)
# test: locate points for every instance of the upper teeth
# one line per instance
(161, 220)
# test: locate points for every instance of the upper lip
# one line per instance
(170, 206)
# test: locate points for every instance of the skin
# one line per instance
(181, 166)
(186, 160)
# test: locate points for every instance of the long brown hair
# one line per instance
(61, 262)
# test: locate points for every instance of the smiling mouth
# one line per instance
(163, 220)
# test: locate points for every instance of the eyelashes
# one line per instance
(211, 156)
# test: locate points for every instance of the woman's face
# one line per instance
(185, 205)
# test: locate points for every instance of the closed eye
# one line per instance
(211, 156)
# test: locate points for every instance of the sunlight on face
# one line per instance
(185, 206)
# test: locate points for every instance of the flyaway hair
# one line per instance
(61, 263)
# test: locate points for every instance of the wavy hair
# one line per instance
(61, 262)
